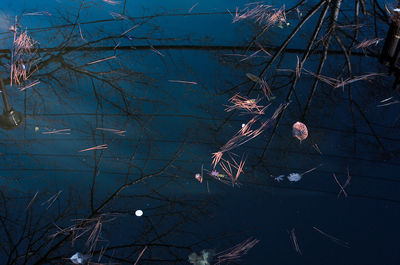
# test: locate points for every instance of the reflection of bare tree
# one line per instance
(92, 220)
(43, 233)
(332, 37)
(119, 173)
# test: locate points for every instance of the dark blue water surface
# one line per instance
(58, 199)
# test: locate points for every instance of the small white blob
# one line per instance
(139, 213)
(243, 125)
(396, 10)
(79, 258)
(294, 177)
(199, 177)
(279, 178)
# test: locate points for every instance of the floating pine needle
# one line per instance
(80, 32)
(119, 132)
(129, 30)
(31, 202)
(62, 131)
(23, 50)
(262, 49)
(250, 56)
(41, 13)
(156, 51)
(386, 99)
(347, 180)
(366, 43)
(111, 2)
(294, 241)
(316, 147)
(300, 131)
(228, 167)
(336, 83)
(239, 167)
(118, 16)
(262, 14)
(333, 239)
(102, 60)
(183, 82)
(190, 10)
(247, 104)
(140, 255)
(235, 253)
(387, 103)
(98, 147)
(342, 187)
(216, 158)
(30, 85)
(298, 67)
(265, 89)
(246, 133)
(51, 200)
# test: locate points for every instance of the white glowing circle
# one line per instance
(139, 213)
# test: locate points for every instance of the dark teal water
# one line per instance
(171, 130)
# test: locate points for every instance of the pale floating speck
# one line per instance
(294, 177)
(396, 10)
(199, 177)
(300, 131)
(243, 125)
(139, 213)
(79, 258)
(204, 258)
(36, 128)
(253, 78)
(279, 178)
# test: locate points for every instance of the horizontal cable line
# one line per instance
(176, 47)
(335, 193)
(193, 117)
(186, 161)
(121, 19)
(338, 156)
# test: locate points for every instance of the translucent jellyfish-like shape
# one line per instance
(279, 178)
(294, 177)
(203, 259)
(300, 131)
(79, 258)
